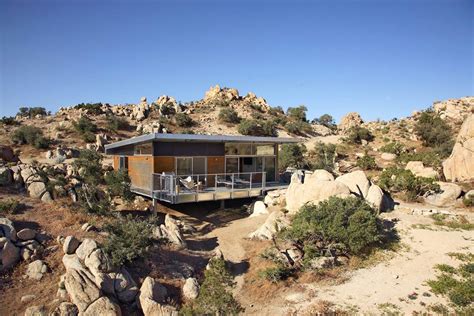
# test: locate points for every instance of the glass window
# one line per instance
(265, 150)
(199, 165)
(184, 166)
(239, 149)
(259, 164)
(232, 165)
(231, 149)
(270, 168)
(143, 149)
(122, 162)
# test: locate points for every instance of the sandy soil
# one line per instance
(389, 281)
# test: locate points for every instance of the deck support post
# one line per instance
(154, 205)
(222, 206)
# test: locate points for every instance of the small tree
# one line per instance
(215, 297)
(31, 112)
(366, 162)
(118, 184)
(30, 135)
(297, 113)
(324, 156)
(229, 115)
(435, 133)
(326, 120)
(115, 123)
(358, 134)
(183, 120)
(291, 155)
(86, 128)
(128, 239)
(250, 127)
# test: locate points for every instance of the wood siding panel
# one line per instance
(163, 164)
(215, 165)
(116, 162)
(140, 169)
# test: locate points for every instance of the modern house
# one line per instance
(181, 168)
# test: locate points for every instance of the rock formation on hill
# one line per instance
(349, 121)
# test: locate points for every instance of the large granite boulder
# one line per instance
(447, 197)
(460, 164)
(356, 181)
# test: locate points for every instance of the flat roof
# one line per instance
(200, 139)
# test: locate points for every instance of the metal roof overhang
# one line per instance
(199, 139)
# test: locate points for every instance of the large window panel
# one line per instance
(184, 166)
(232, 165)
(270, 168)
(143, 149)
(265, 150)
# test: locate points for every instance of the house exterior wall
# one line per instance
(140, 170)
(180, 149)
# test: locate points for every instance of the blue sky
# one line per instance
(382, 58)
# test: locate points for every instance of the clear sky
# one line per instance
(381, 58)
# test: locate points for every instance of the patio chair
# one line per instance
(189, 184)
(223, 180)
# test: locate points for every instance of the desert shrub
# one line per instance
(91, 197)
(215, 296)
(276, 274)
(366, 162)
(326, 120)
(30, 135)
(118, 184)
(357, 134)
(128, 239)
(31, 111)
(457, 284)
(291, 155)
(256, 128)
(256, 107)
(275, 111)
(10, 206)
(400, 180)
(323, 156)
(337, 226)
(90, 108)
(435, 133)
(298, 127)
(86, 128)
(297, 113)
(8, 120)
(460, 223)
(183, 120)
(393, 148)
(115, 123)
(229, 115)
(429, 158)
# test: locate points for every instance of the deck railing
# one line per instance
(166, 186)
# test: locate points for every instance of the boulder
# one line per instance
(321, 130)
(420, 170)
(71, 262)
(103, 307)
(6, 227)
(447, 197)
(6, 176)
(172, 232)
(356, 181)
(66, 309)
(460, 164)
(269, 201)
(375, 197)
(27, 298)
(36, 311)
(36, 189)
(7, 154)
(86, 248)
(26, 234)
(259, 208)
(151, 297)
(81, 289)
(70, 245)
(388, 156)
(319, 175)
(313, 191)
(191, 288)
(36, 270)
(46, 197)
(97, 261)
(349, 121)
(125, 287)
(10, 255)
(274, 223)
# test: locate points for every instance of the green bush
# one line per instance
(256, 128)
(228, 115)
(90, 108)
(275, 111)
(118, 184)
(183, 120)
(297, 113)
(435, 133)
(10, 206)
(115, 123)
(339, 226)
(31, 112)
(8, 120)
(394, 179)
(256, 107)
(86, 128)
(357, 134)
(291, 155)
(457, 284)
(429, 158)
(215, 296)
(323, 156)
(326, 120)
(366, 162)
(393, 148)
(276, 274)
(30, 135)
(128, 239)
(298, 127)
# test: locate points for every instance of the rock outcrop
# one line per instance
(450, 192)
(460, 164)
(152, 299)
(349, 121)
